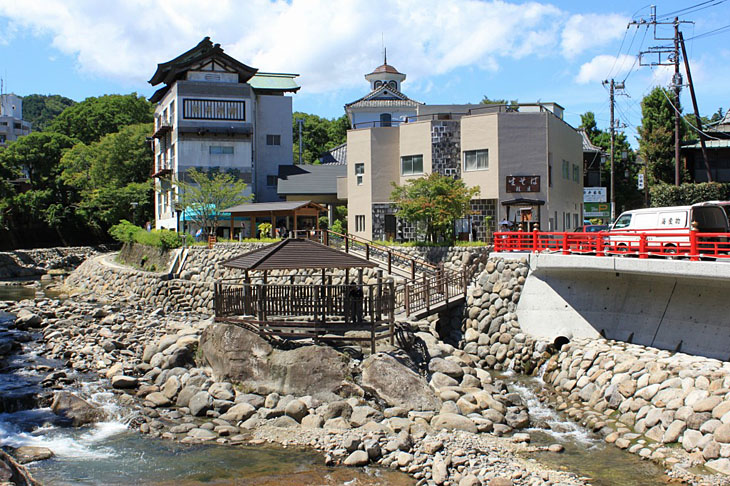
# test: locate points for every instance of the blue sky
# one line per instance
(452, 51)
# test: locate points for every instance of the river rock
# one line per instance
(241, 356)
(238, 412)
(222, 391)
(124, 381)
(26, 454)
(446, 367)
(200, 403)
(452, 421)
(77, 410)
(158, 399)
(296, 409)
(439, 472)
(396, 384)
(357, 459)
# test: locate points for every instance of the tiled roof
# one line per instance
(274, 82)
(385, 68)
(269, 206)
(335, 156)
(378, 97)
(587, 144)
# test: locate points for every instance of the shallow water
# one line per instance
(586, 453)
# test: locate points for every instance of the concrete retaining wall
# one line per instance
(672, 305)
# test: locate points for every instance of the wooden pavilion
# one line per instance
(298, 215)
(277, 306)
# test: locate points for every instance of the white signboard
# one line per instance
(594, 194)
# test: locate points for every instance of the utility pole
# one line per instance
(667, 56)
(613, 85)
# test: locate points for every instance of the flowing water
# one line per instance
(111, 453)
(586, 453)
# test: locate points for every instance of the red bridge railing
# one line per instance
(684, 243)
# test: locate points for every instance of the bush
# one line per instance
(688, 193)
(126, 232)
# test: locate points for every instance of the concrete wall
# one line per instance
(481, 132)
(415, 139)
(273, 117)
(565, 196)
(666, 304)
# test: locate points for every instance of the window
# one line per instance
(392, 85)
(476, 159)
(378, 84)
(411, 165)
(622, 222)
(220, 150)
(359, 171)
(273, 139)
(566, 169)
(576, 173)
(360, 222)
(385, 119)
(196, 109)
(172, 112)
(271, 180)
(550, 175)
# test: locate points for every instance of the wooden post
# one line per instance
(231, 234)
(347, 244)
(263, 294)
(247, 294)
(372, 325)
(359, 276)
(367, 252)
(295, 223)
(390, 262)
(407, 298)
(380, 294)
(391, 311)
(253, 226)
(413, 270)
(272, 231)
(426, 290)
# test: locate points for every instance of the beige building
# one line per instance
(525, 159)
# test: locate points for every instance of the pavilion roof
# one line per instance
(293, 254)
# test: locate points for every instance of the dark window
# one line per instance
(360, 222)
(271, 180)
(385, 120)
(359, 171)
(411, 165)
(220, 150)
(273, 139)
(196, 109)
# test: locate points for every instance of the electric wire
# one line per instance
(685, 120)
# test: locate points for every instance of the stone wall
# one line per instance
(29, 263)
(638, 397)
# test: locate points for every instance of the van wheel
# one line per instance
(671, 251)
(621, 250)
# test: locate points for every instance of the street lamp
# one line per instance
(134, 205)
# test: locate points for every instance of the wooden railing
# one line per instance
(298, 311)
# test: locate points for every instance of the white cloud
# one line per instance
(603, 66)
(586, 31)
(331, 44)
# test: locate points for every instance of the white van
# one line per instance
(672, 222)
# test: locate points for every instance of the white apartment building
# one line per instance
(215, 113)
(12, 124)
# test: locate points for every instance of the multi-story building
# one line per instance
(526, 160)
(215, 113)
(12, 124)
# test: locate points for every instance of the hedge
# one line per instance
(688, 193)
(127, 232)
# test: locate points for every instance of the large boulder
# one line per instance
(240, 356)
(396, 384)
(76, 410)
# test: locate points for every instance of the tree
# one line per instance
(37, 155)
(656, 134)
(318, 135)
(489, 101)
(624, 162)
(435, 201)
(41, 110)
(208, 194)
(93, 118)
(109, 175)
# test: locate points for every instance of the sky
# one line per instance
(452, 51)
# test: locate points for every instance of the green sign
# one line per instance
(596, 210)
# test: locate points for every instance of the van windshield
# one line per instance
(710, 219)
(622, 222)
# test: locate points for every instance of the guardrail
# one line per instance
(691, 244)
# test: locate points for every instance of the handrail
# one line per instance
(385, 248)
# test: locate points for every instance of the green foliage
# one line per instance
(324, 222)
(41, 110)
(93, 118)
(265, 229)
(126, 232)
(625, 169)
(208, 194)
(488, 101)
(688, 193)
(656, 134)
(318, 135)
(435, 201)
(37, 155)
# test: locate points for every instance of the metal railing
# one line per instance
(686, 243)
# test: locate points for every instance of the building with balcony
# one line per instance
(215, 113)
(12, 124)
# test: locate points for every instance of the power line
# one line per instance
(676, 110)
(696, 8)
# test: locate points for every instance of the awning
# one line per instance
(523, 202)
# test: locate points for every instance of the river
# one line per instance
(113, 453)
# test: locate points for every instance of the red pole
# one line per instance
(566, 250)
(693, 234)
(535, 246)
(599, 245)
(642, 246)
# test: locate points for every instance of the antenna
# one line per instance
(385, 51)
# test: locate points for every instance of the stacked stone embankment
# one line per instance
(30, 263)
(652, 402)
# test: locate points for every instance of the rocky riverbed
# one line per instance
(155, 364)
